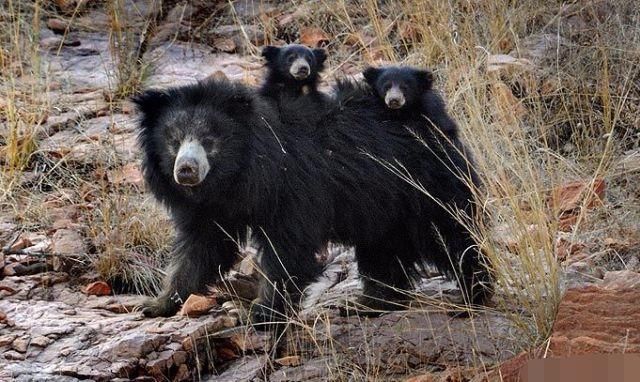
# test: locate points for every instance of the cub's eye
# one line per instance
(386, 87)
(291, 58)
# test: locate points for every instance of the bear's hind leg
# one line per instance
(386, 271)
(287, 273)
(457, 255)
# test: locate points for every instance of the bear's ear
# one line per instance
(425, 78)
(270, 52)
(320, 55)
(239, 104)
(150, 102)
(371, 75)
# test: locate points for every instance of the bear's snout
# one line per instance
(394, 98)
(187, 173)
(300, 69)
(191, 166)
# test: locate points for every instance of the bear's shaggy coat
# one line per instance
(299, 186)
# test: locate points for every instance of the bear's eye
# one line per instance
(291, 58)
(173, 140)
(386, 87)
(208, 143)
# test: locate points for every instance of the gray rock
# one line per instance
(245, 369)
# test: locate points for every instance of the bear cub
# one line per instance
(408, 95)
(292, 71)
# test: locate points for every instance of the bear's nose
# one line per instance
(300, 69)
(187, 174)
(303, 71)
(394, 103)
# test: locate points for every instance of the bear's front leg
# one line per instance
(199, 258)
(288, 270)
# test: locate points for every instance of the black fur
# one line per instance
(299, 186)
(423, 104)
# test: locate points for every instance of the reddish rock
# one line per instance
(509, 371)
(597, 320)
(98, 288)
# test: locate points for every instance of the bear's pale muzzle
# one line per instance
(192, 165)
(394, 98)
(300, 69)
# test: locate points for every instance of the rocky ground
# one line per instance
(60, 321)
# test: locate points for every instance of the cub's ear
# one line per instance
(270, 52)
(371, 75)
(150, 102)
(425, 78)
(320, 55)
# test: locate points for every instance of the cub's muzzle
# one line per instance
(394, 98)
(191, 166)
(300, 69)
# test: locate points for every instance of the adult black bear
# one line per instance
(409, 95)
(219, 158)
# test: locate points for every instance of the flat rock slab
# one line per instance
(181, 63)
(84, 340)
(401, 341)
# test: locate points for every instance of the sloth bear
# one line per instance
(292, 71)
(220, 159)
(408, 95)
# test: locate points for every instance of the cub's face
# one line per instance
(296, 62)
(399, 87)
(193, 142)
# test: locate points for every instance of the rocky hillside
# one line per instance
(546, 98)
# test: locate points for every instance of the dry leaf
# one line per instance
(313, 37)
(569, 197)
(197, 305)
(292, 361)
(566, 249)
(98, 288)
